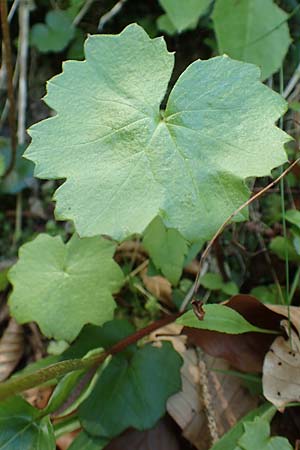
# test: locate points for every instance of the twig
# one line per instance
(204, 255)
(23, 55)
(292, 83)
(110, 14)
(82, 12)
(10, 87)
(12, 10)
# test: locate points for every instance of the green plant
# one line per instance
(170, 177)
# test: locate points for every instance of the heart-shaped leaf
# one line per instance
(53, 35)
(132, 391)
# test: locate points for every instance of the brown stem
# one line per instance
(23, 382)
(10, 88)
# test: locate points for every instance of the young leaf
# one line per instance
(257, 436)
(22, 428)
(64, 286)
(254, 31)
(183, 15)
(53, 35)
(132, 392)
(230, 439)
(219, 318)
(86, 442)
(125, 162)
(293, 216)
(167, 248)
(281, 245)
(21, 175)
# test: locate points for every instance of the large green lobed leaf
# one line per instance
(125, 162)
(255, 31)
(64, 286)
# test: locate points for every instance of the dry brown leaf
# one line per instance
(64, 442)
(159, 286)
(39, 396)
(11, 348)
(161, 437)
(281, 369)
(209, 403)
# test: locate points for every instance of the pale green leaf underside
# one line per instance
(125, 163)
(254, 31)
(218, 318)
(184, 14)
(64, 286)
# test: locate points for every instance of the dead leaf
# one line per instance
(246, 351)
(39, 396)
(209, 403)
(64, 441)
(11, 348)
(158, 286)
(161, 437)
(281, 369)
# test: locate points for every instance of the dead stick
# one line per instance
(10, 87)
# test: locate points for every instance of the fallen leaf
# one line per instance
(11, 348)
(158, 286)
(281, 369)
(206, 396)
(246, 351)
(64, 441)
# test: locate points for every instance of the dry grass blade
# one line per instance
(11, 348)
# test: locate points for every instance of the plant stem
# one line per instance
(23, 382)
(10, 87)
(294, 285)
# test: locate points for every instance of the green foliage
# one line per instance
(181, 15)
(230, 439)
(293, 216)
(132, 391)
(126, 151)
(219, 318)
(53, 35)
(254, 31)
(68, 386)
(266, 294)
(87, 442)
(64, 286)
(21, 175)
(23, 427)
(167, 248)
(214, 282)
(281, 246)
(257, 436)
